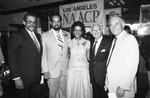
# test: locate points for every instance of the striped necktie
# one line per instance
(35, 41)
(60, 40)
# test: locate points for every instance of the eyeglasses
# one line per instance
(30, 22)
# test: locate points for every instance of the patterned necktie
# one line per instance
(35, 41)
(60, 41)
(94, 48)
(111, 51)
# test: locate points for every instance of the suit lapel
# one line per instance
(64, 43)
(92, 55)
(29, 39)
(54, 41)
(39, 40)
(100, 47)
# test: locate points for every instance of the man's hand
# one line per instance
(19, 83)
(47, 75)
(120, 92)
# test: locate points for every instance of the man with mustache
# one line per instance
(24, 58)
(55, 57)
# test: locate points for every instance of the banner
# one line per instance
(87, 12)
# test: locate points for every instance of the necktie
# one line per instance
(35, 41)
(94, 48)
(111, 51)
(60, 41)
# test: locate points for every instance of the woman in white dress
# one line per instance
(78, 80)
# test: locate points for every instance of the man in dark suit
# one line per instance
(98, 57)
(24, 57)
(145, 52)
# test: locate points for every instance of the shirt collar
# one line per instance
(56, 31)
(60, 32)
(121, 34)
(29, 31)
(98, 40)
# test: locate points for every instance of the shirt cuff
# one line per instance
(16, 78)
(3, 62)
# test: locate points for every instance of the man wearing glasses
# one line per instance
(24, 57)
(98, 57)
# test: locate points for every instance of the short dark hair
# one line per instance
(28, 14)
(78, 23)
(128, 29)
(55, 14)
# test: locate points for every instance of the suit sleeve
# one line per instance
(67, 34)
(130, 60)
(13, 52)
(44, 55)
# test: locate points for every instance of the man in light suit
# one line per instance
(98, 58)
(24, 58)
(122, 63)
(55, 57)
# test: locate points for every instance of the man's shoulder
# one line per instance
(66, 34)
(129, 37)
(64, 30)
(47, 33)
(17, 33)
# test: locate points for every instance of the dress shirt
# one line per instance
(29, 32)
(111, 50)
(98, 43)
(60, 32)
(110, 54)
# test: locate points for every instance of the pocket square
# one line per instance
(103, 50)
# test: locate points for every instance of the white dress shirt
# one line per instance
(98, 43)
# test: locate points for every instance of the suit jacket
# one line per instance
(123, 65)
(98, 62)
(53, 60)
(145, 50)
(24, 58)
